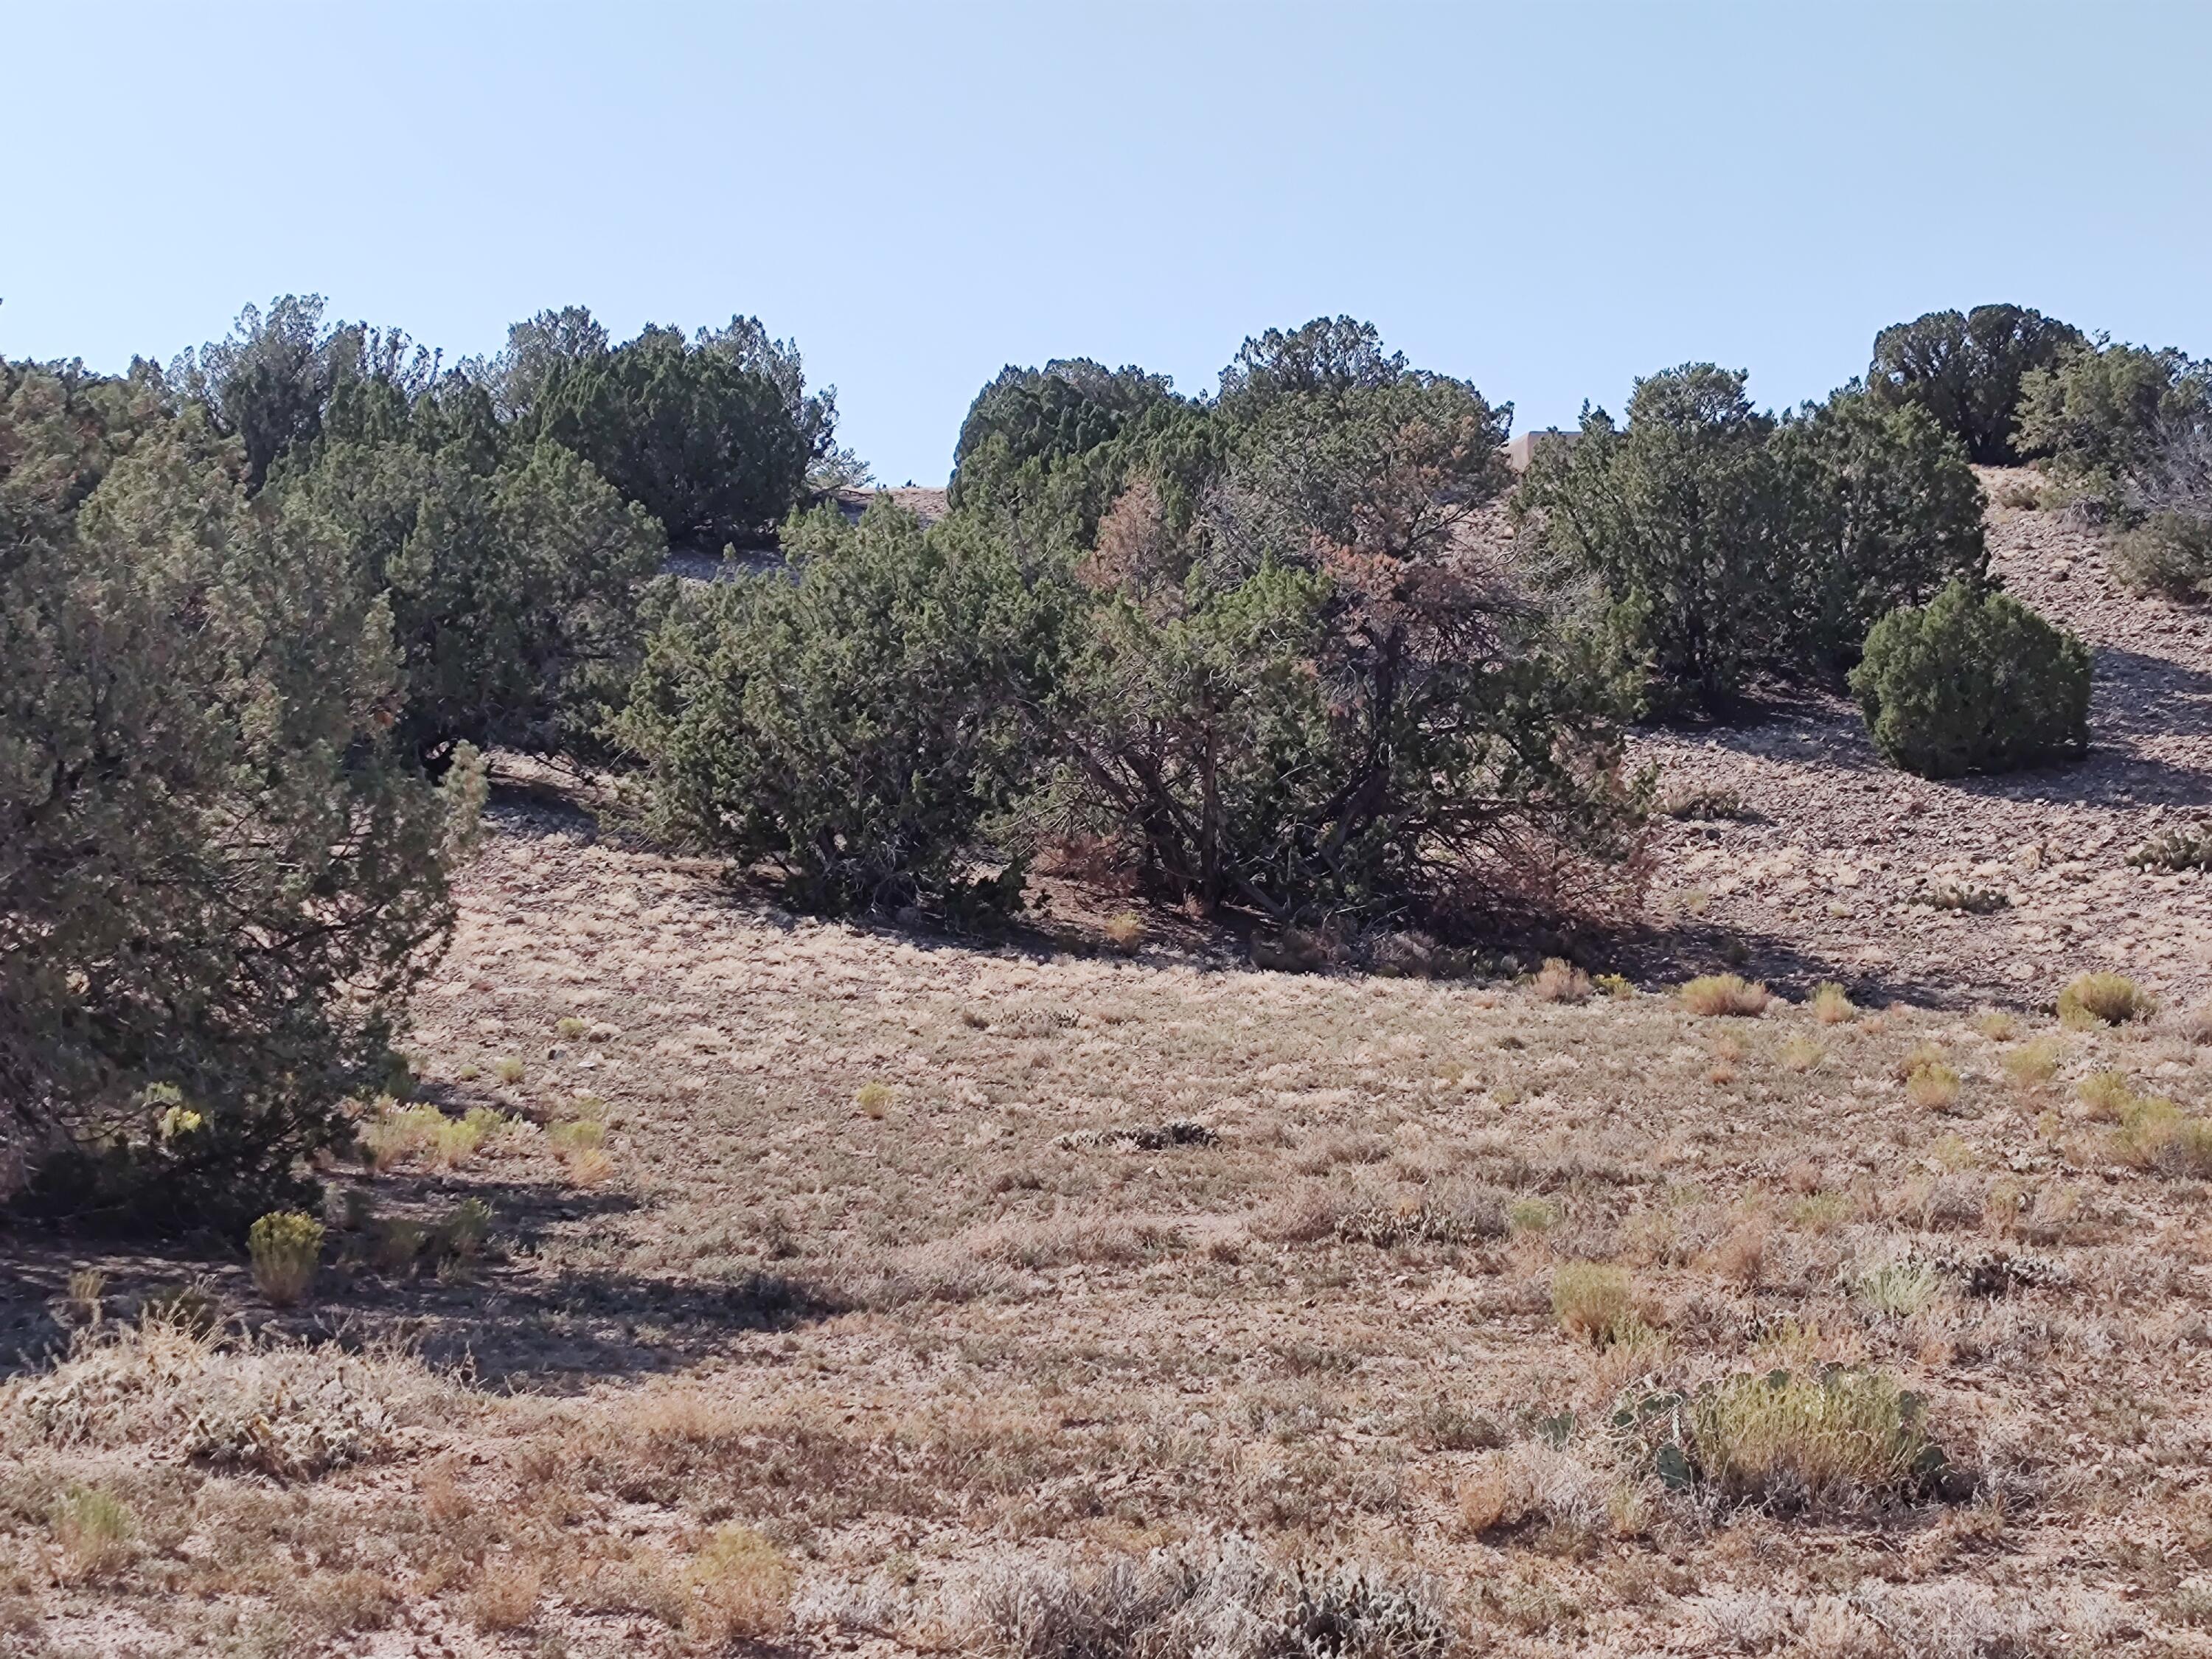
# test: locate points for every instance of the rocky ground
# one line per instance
(1831, 873)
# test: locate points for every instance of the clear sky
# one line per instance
(1548, 199)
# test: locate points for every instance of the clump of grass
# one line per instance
(86, 1285)
(740, 1587)
(2099, 999)
(284, 1245)
(873, 1099)
(1998, 1025)
(2157, 1134)
(509, 1070)
(467, 1226)
(1614, 985)
(1593, 1300)
(504, 1597)
(568, 1028)
(95, 1528)
(1831, 1005)
(2033, 1065)
(1125, 932)
(2107, 1094)
(398, 1242)
(590, 1167)
(1802, 1053)
(1560, 980)
(456, 1138)
(1729, 994)
(1932, 1085)
(1530, 1215)
(1898, 1290)
(1788, 1440)
(1741, 1257)
(577, 1134)
(1919, 1058)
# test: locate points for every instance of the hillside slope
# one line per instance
(849, 1291)
(1829, 879)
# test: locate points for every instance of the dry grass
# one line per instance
(1848, 1439)
(1725, 994)
(1831, 1005)
(1933, 1086)
(95, 1531)
(1593, 1300)
(1560, 980)
(504, 1597)
(1125, 932)
(2092, 1000)
(740, 1587)
(1144, 1253)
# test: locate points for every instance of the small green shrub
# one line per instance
(2106, 1094)
(398, 1243)
(569, 1028)
(2033, 1064)
(1965, 898)
(1973, 682)
(509, 1070)
(284, 1245)
(1531, 1215)
(463, 1232)
(580, 1134)
(2157, 1134)
(2096, 999)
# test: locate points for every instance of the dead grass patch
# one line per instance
(1725, 994)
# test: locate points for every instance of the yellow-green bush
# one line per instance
(2097, 1000)
(1787, 1439)
(285, 1246)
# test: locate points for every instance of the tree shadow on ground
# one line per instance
(1657, 957)
(511, 1324)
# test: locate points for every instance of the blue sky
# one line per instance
(1548, 199)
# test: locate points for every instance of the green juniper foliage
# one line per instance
(220, 876)
(858, 718)
(1967, 372)
(1722, 545)
(514, 575)
(714, 437)
(1973, 681)
(1296, 699)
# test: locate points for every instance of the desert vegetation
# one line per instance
(1096, 1073)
